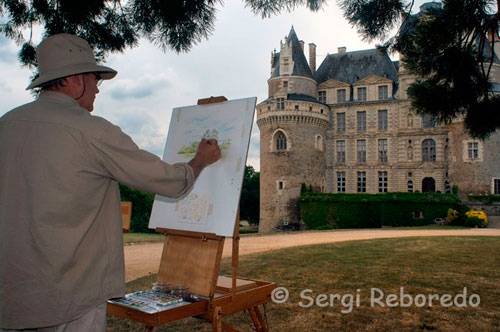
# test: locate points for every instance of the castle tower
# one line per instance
(293, 125)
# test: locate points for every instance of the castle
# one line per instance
(347, 127)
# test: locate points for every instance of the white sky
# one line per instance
(233, 62)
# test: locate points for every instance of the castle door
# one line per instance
(428, 185)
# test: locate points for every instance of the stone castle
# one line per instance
(347, 127)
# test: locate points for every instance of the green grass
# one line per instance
(142, 237)
(437, 265)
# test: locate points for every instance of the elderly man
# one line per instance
(61, 248)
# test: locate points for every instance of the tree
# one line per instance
(114, 25)
(447, 49)
(250, 196)
(142, 204)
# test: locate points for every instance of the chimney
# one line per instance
(342, 49)
(301, 42)
(312, 57)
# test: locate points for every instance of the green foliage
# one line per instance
(375, 210)
(303, 189)
(112, 26)
(474, 222)
(250, 196)
(454, 189)
(488, 199)
(433, 45)
(142, 203)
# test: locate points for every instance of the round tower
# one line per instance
(293, 125)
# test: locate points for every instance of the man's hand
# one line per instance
(208, 153)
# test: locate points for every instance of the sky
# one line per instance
(235, 62)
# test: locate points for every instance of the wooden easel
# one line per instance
(193, 259)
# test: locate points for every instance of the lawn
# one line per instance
(129, 238)
(436, 266)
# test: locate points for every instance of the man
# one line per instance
(61, 249)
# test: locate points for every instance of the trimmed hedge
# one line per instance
(375, 210)
(488, 199)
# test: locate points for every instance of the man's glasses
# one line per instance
(98, 79)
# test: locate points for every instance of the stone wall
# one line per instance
(283, 172)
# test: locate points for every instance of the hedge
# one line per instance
(488, 199)
(374, 210)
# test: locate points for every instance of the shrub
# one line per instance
(142, 204)
(452, 215)
(476, 219)
(375, 210)
(324, 227)
(488, 199)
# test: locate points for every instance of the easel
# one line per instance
(193, 259)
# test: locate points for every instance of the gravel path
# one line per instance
(144, 259)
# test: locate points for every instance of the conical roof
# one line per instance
(300, 67)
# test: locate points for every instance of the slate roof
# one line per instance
(351, 67)
(301, 67)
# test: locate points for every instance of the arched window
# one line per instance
(280, 141)
(429, 150)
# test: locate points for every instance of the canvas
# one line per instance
(212, 204)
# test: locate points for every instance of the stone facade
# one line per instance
(348, 127)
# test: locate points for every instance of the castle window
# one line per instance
(361, 151)
(280, 103)
(382, 182)
(428, 121)
(296, 107)
(383, 92)
(285, 84)
(361, 182)
(361, 94)
(382, 120)
(341, 96)
(322, 97)
(340, 122)
(473, 150)
(447, 187)
(410, 186)
(341, 182)
(280, 185)
(321, 111)
(310, 109)
(361, 121)
(429, 150)
(285, 65)
(496, 187)
(340, 152)
(281, 141)
(382, 150)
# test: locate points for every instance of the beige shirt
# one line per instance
(61, 250)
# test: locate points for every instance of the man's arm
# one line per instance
(208, 153)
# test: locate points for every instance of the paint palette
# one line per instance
(149, 301)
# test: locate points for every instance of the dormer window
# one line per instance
(361, 94)
(341, 96)
(322, 97)
(383, 92)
